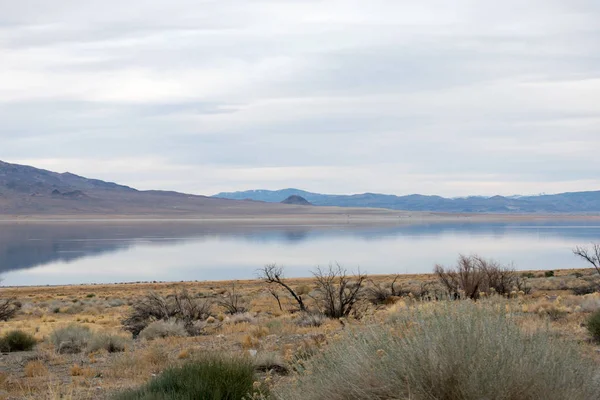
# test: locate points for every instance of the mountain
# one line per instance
(577, 202)
(26, 190)
(297, 200)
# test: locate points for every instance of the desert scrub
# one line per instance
(593, 325)
(450, 351)
(71, 339)
(17, 341)
(310, 319)
(108, 342)
(211, 377)
(163, 329)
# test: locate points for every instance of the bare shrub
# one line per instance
(71, 339)
(379, 293)
(592, 256)
(8, 308)
(233, 302)
(474, 275)
(273, 274)
(163, 329)
(155, 307)
(337, 293)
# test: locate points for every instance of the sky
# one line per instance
(465, 97)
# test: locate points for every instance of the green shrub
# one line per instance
(110, 343)
(71, 339)
(593, 325)
(452, 351)
(210, 378)
(549, 274)
(17, 341)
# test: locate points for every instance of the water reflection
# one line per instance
(57, 253)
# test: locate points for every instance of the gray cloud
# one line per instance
(472, 97)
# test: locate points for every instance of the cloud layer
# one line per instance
(472, 97)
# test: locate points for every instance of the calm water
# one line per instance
(62, 253)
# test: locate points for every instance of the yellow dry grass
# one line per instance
(267, 328)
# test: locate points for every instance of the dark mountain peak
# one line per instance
(297, 200)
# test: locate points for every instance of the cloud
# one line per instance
(335, 96)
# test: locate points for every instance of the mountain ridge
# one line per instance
(26, 190)
(568, 202)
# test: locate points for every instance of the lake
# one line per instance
(73, 253)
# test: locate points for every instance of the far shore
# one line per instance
(337, 217)
(154, 285)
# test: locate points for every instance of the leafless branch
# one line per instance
(273, 274)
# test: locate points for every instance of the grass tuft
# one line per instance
(210, 378)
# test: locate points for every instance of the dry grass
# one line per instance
(281, 339)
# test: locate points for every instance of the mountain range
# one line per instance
(576, 202)
(26, 190)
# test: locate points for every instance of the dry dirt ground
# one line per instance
(273, 336)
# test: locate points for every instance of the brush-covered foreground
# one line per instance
(402, 346)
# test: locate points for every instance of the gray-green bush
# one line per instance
(162, 329)
(454, 351)
(108, 342)
(71, 339)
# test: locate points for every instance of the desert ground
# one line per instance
(275, 336)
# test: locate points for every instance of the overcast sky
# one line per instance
(434, 97)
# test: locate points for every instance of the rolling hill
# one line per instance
(577, 202)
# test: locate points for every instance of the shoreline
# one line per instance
(369, 216)
(254, 281)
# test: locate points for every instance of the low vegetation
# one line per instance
(211, 377)
(453, 351)
(476, 330)
(71, 339)
(108, 342)
(17, 340)
(8, 308)
(593, 325)
(474, 276)
(180, 307)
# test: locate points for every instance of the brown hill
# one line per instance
(29, 191)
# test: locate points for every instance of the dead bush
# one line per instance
(337, 294)
(474, 275)
(273, 275)
(8, 308)
(233, 302)
(379, 293)
(180, 307)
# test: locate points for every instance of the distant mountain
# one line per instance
(26, 190)
(577, 202)
(297, 200)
